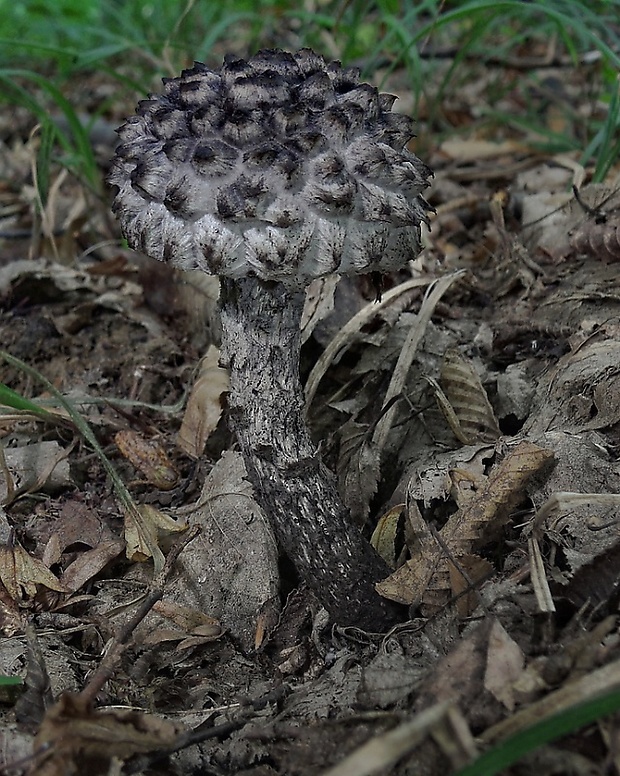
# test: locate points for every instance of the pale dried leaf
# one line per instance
(468, 399)
(41, 466)
(594, 684)
(20, 573)
(144, 528)
(231, 571)
(467, 150)
(204, 406)
(385, 536)
(505, 662)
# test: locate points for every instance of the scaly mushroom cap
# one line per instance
(281, 166)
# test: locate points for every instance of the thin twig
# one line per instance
(106, 669)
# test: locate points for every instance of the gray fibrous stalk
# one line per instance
(271, 172)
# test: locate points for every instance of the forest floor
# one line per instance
(507, 327)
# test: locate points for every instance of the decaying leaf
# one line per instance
(20, 573)
(385, 536)
(505, 662)
(145, 527)
(190, 627)
(89, 563)
(205, 405)
(426, 578)
(599, 234)
(39, 466)
(149, 457)
(358, 470)
(75, 739)
(231, 570)
(477, 674)
(473, 419)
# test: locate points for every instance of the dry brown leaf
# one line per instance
(90, 563)
(505, 662)
(204, 406)
(39, 466)
(149, 457)
(457, 677)
(145, 526)
(464, 391)
(425, 577)
(20, 573)
(191, 626)
(75, 739)
(465, 576)
(384, 537)
(357, 469)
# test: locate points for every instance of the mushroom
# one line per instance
(271, 172)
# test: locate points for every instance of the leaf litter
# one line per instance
(474, 434)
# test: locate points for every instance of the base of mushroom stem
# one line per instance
(260, 346)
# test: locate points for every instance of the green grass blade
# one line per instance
(10, 398)
(87, 433)
(550, 729)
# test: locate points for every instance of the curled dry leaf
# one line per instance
(149, 457)
(145, 527)
(20, 573)
(385, 536)
(39, 466)
(472, 418)
(204, 406)
(438, 559)
(190, 627)
(599, 240)
(75, 739)
(90, 563)
(599, 234)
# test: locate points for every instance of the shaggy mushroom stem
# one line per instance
(260, 346)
